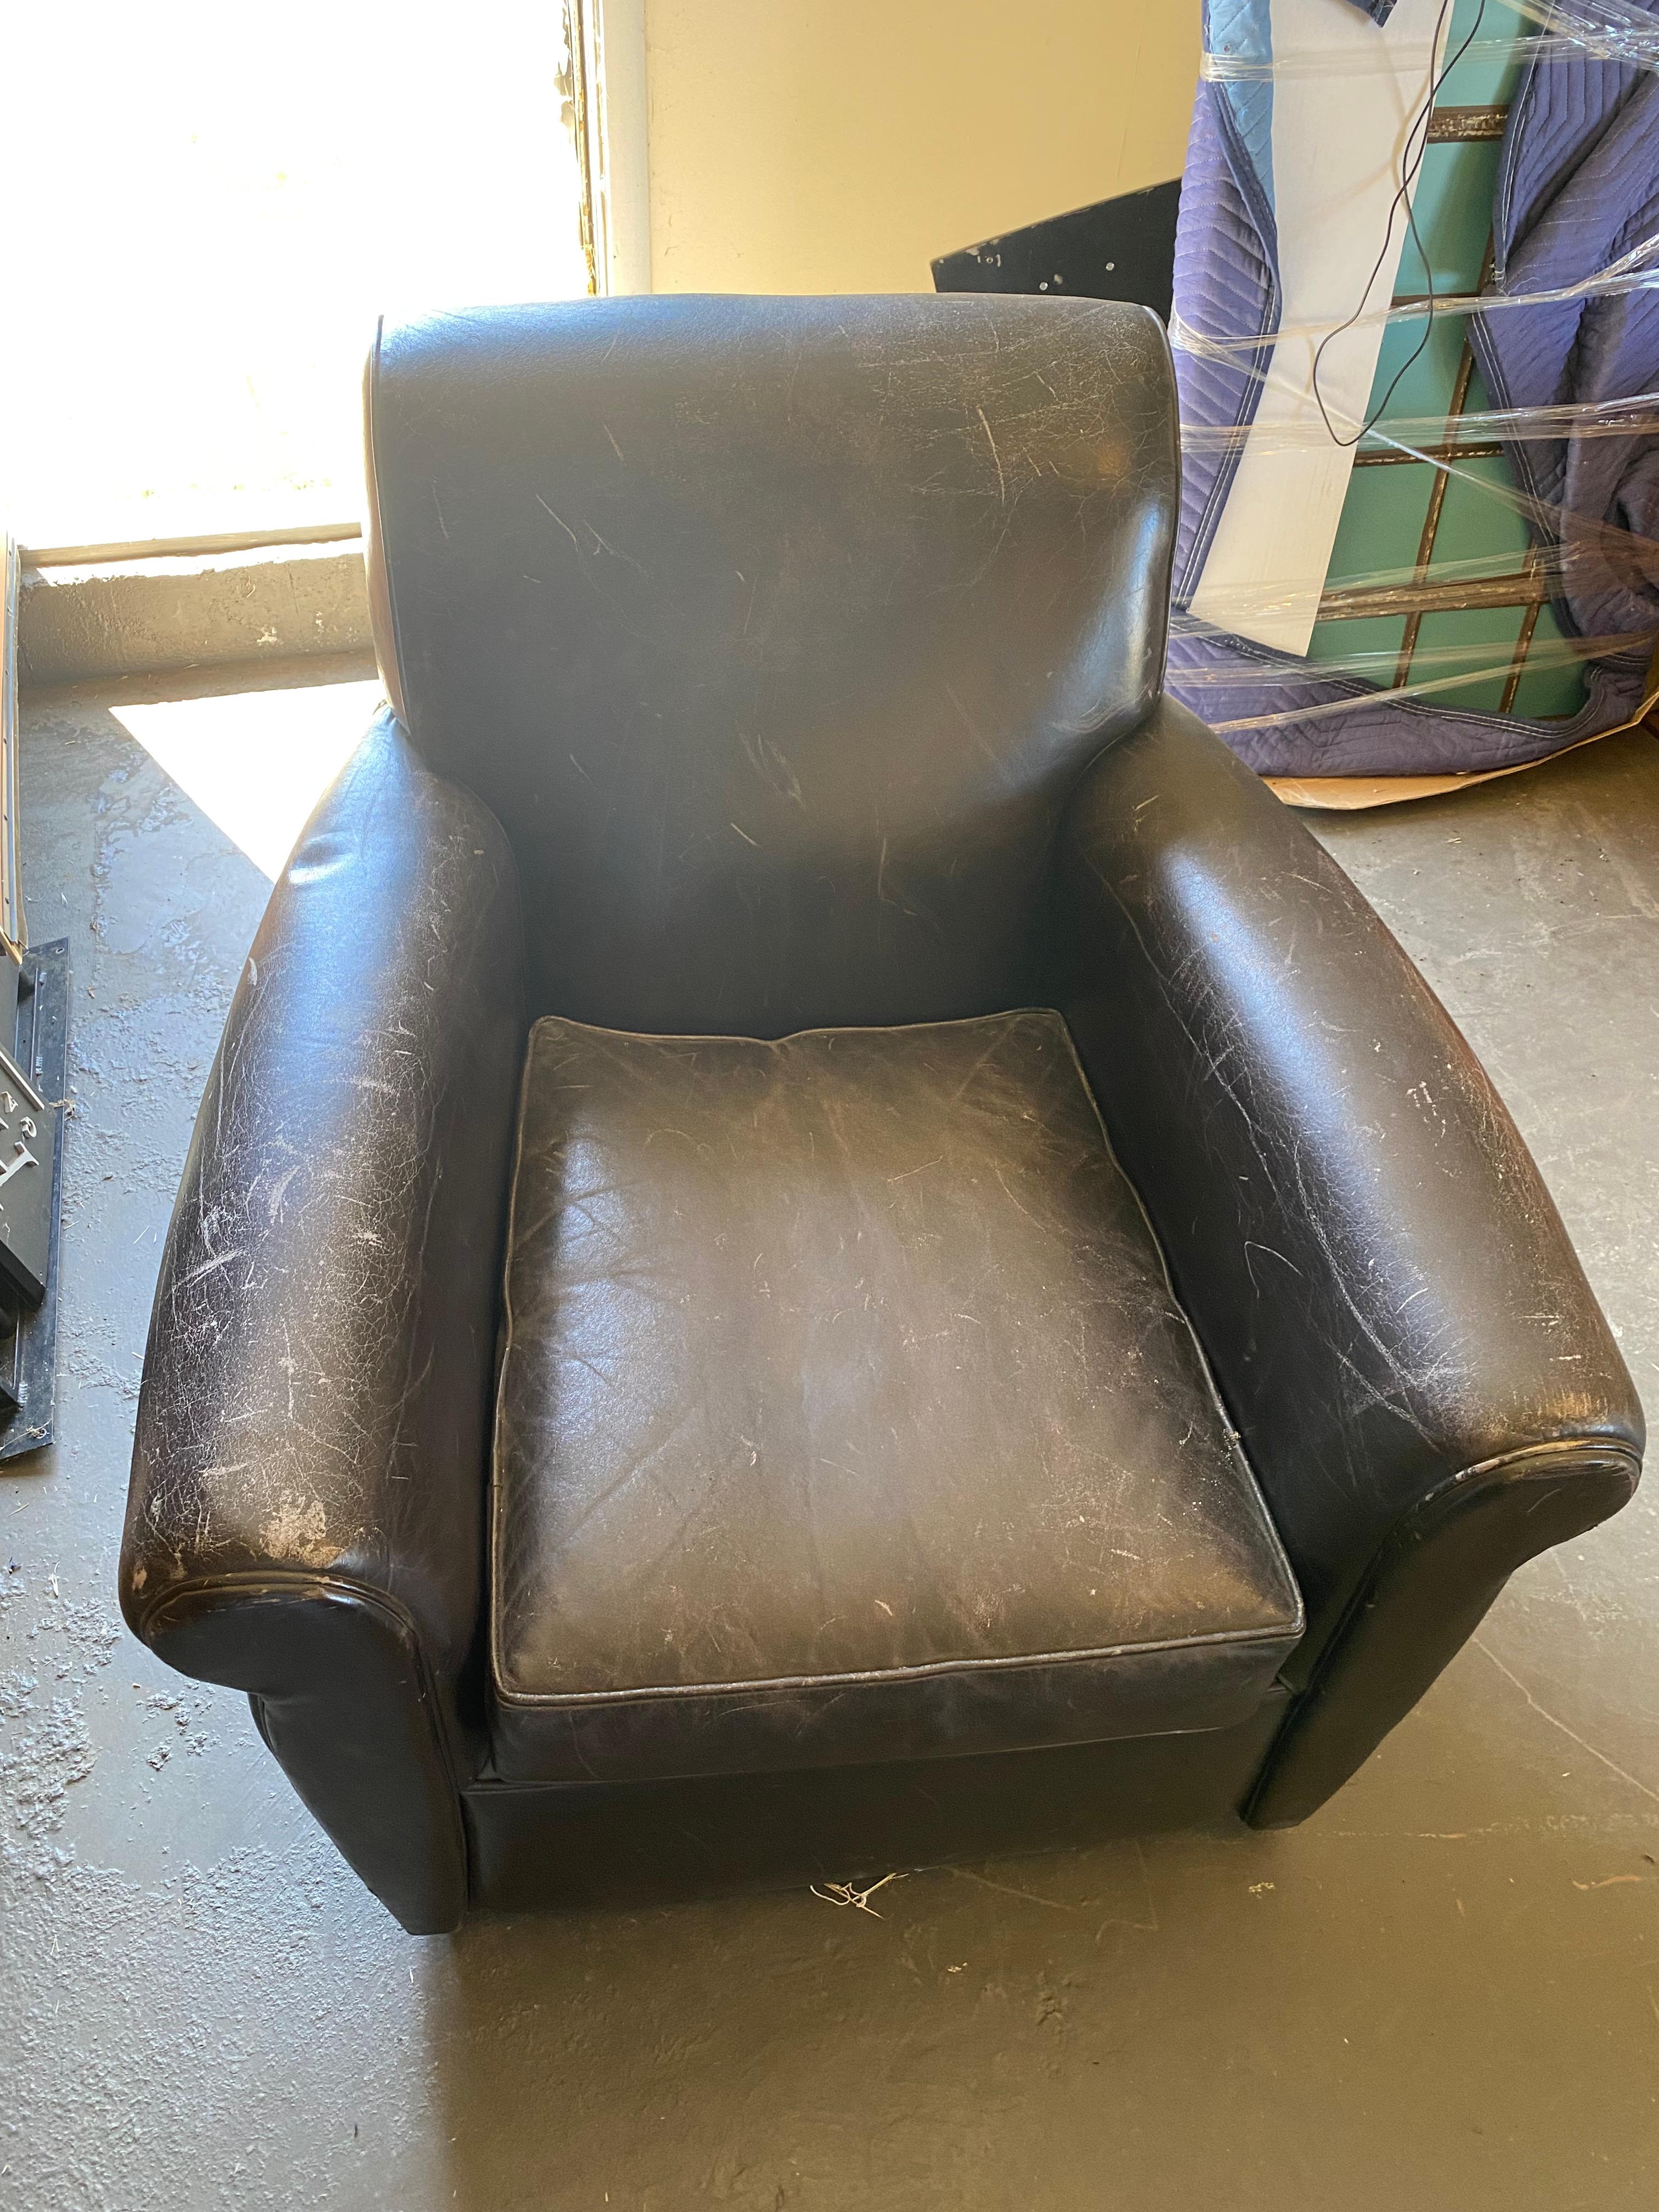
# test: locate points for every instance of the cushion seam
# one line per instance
(790, 1036)
(1286, 1633)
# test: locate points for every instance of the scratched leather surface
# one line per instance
(810, 653)
(1366, 1247)
(315, 1392)
(843, 1383)
(776, 632)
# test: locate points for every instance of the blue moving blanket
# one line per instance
(1577, 195)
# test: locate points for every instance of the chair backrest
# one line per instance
(776, 632)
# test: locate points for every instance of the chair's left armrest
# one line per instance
(1422, 1377)
(306, 1515)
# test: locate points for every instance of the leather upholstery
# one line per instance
(810, 653)
(1423, 1597)
(776, 631)
(1394, 1312)
(343, 1696)
(314, 1409)
(634, 1843)
(845, 1414)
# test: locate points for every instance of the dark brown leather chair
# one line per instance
(1010, 1313)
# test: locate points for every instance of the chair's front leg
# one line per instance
(1422, 1377)
(306, 1516)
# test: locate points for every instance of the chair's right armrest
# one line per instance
(306, 1515)
(1424, 1384)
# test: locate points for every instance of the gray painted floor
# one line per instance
(1443, 1993)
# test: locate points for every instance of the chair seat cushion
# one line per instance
(847, 1414)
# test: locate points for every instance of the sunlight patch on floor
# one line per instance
(256, 762)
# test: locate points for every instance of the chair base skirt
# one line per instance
(641, 1843)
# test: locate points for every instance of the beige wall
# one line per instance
(838, 145)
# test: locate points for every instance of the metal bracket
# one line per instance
(38, 1037)
(33, 1066)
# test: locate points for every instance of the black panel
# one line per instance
(1119, 249)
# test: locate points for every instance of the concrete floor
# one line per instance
(1442, 1993)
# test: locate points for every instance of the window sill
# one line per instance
(178, 611)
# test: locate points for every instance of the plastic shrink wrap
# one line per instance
(1416, 332)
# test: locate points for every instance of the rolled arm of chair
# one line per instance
(1421, 1375)
(306, 1513)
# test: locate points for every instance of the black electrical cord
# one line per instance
(1416, 146)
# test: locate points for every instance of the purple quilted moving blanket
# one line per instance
(1577, 194)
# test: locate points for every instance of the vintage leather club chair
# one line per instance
(823, 1238)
